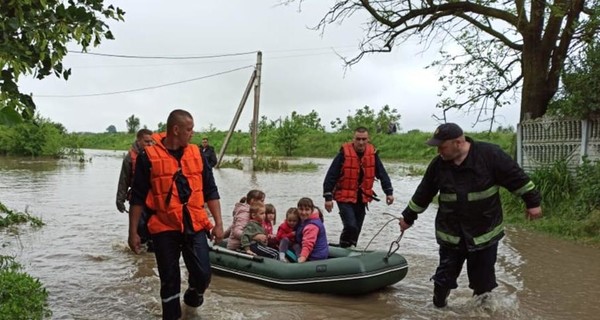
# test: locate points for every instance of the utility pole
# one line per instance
(256, 103)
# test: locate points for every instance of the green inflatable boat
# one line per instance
(346, 272)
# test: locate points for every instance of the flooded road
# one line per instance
(82, 258)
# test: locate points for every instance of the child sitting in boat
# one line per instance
(241, 216)
(254, 239)
(286, 235)
(311, 232)
(270, 220)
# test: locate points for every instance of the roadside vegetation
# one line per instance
(38, 137)
(21, 295)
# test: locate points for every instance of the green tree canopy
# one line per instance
(382, 121)
(580, 94)
(133, 124)
(111, 129)
(33, 39)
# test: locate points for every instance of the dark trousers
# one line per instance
(353, 216)
(264, 251)
(480, 268)
(168, 247)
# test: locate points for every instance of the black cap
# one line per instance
(446, 131)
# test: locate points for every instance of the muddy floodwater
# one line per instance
(82, 258)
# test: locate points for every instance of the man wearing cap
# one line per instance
(467, 174)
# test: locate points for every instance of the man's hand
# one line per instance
(389, 199)
(403, 224)
(216, 234)
(533, 213)
(134, 242)
(301, 259)
(328, 205)
(120, 206)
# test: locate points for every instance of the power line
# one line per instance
(145, 88)
(164, 57)
(275, 57)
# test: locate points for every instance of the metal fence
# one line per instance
(545, 141)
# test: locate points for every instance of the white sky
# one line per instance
(301, 71)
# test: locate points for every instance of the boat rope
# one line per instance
(395, 245)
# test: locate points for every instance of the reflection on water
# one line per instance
(82, 257)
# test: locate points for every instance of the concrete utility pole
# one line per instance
(254, 81)
(256, 103)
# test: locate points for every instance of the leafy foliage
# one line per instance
(579, 96)
(111, 129)
(38, 137)
(21, 296)
(290, 129)
(9, 218)
(570, 200)
(384, 121)
(33, 39)
(133, 124)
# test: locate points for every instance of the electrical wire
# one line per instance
(145, 88)
(125, 56)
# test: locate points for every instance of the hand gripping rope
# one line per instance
(395, 245)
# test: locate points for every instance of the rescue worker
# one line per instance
(209, 152)
(143, 138)
(467, 174)
(174, 182)
(349, 181)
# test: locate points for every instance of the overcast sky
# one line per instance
(301, 70)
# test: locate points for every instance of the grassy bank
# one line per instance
(408, 147)
(570, 203)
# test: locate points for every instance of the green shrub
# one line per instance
(21, 296)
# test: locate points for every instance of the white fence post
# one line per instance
(519, 145)
(585, 134)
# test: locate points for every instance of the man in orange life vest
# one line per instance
(349, 181)
(143, 138)
(173, 181)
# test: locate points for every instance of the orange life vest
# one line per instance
(169, 217)
(346, 189)
(133, 155)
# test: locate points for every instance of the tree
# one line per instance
(290, 129)
(162, 127)
(33, 41)
(133, 124)
(111, 129)
(287, 135)
(381, 121)
(580, 96)
(501, 47)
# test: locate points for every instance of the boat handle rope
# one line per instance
(395, 245)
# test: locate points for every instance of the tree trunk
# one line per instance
(537, 91)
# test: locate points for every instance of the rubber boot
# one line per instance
(440, 296)
(192, 298)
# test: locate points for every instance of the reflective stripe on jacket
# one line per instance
(353, 170)
(169, 216)
(469, 197)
